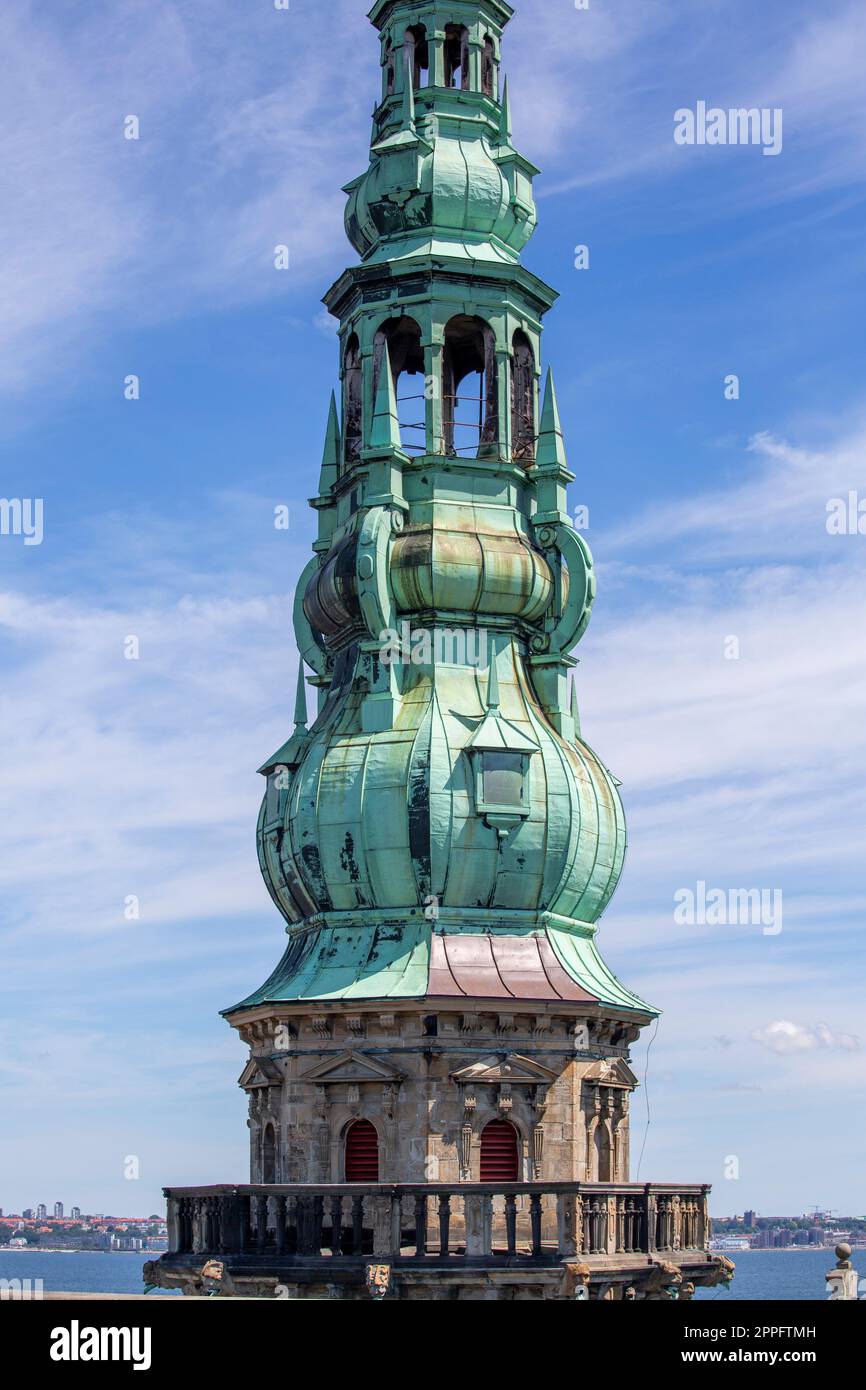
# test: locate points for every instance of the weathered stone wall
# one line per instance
(430, 1083)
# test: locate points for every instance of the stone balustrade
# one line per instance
(476, 1223)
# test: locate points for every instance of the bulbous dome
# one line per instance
(386, 821)
(442, 831)
(458, 188)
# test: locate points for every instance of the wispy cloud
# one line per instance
(246, 132)
(784, 1038)
(251, 119)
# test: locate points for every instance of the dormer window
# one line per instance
(278, 783)
(500, 754)
(503, 781)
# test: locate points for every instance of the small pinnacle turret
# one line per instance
(301, 715)
(551, 444)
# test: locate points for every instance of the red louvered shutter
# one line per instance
(499, 1158)
(362, 1153)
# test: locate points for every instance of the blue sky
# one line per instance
(707, 520)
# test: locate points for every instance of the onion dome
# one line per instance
(441, 828)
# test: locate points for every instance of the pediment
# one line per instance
(612, 1071)
(353, 1068)
(508, 1070)
(260, 1071)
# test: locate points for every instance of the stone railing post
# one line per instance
(382, 1229)
(230, 1225)
(650, 1220)
(477, 1209)
(173, 1224)
(568, 1225)
(396, 1224)
(611, 1226)
(199, 1240)
(843, 1281)
(705, 1228)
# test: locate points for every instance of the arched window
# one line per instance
(352, 401)
(417, 54)
(362, 1152)
(500, 1161)
(602, 1155)
(469, 388)
(403, 337)
(390, 69)
(488, 68)
(522, 399)
(457, 56)
(269, 1154)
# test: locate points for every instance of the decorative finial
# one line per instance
(505, 116)
(301, 698)
(331, 453)
(385, 433)
(493, 684)
(551, 445)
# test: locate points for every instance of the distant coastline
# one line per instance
(71, 1250)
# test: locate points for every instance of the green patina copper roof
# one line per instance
(447, 588)
(393, 961)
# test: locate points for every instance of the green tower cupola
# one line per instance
(441, 830)
(443, 172)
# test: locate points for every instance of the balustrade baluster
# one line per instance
(318, 1220)
(599, 1224)
(396, 1241)
(535, 1221)
(336, 1226)
(511, 1223)
(357, 1224)
(261, 1223)
(280, 1224)
(420, 1225)
(246, 1222)
(216, 1224)
(445, 1224)
(630, 1233)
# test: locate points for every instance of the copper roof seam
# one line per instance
(504, 983)
(457, 985)
(535, 941)
(571, 856)
(578, 750)
(547, 976)
(436, 712)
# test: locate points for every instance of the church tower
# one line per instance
(438, 1072)
(440, 838)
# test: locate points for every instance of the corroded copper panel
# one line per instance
(499, 967)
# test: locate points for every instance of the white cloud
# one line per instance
(784, 1038)
(246, 133)
(615, 74)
